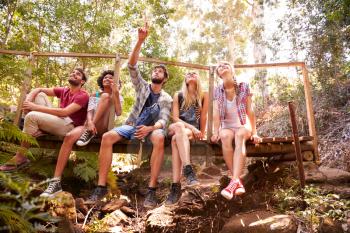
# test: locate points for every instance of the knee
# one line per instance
(241, 135)
(104, 96)
(157, 139)
(225, 138)
(179, 127)
(107, 138)
(69, 138)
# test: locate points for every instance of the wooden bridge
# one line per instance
(269, 146)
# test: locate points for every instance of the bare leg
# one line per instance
(176, 161)
(182, 136)
(102, 107)
(157, 157)
(105, 155)
(241, 136)
(226, 136)
(66, 149)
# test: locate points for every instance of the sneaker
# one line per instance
(230, 190)
(175, 194)
(85, 138)
(151, 199)
(53, 188)
(190, 176)
(240, 188)
(96, 195)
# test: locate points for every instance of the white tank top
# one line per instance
(231, 115)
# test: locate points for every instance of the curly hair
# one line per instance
(100, 78)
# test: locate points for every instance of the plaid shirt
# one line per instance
(241, 101)
(143, 90)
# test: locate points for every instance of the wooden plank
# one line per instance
(211, 99)
(24, 89)
(283, 139)
(14, 52)
(297, 147)
(98, 55)
(310, 112)
(268, 65)
(146, 59)
(198, 148)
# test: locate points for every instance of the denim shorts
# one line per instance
(128, 131)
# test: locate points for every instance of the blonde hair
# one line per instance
(188, 101)
(233, 74)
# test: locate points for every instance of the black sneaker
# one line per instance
(96, 195)
(53, 188)
(190, 176)
(175, 194)
(151, 199)
(85, 138)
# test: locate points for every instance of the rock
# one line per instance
(63, 205)
(335, 176)
(260, 222)
(113, 205)
(128, 211)
(204, 176)
(79, 204)
(114, 218)
(159, 219)
(329, 226)
(212, 171)
(342, 190)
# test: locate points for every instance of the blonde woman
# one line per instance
(232, 108)
(190, 107)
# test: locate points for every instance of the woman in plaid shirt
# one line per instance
(232, 107)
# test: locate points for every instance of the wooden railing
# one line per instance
(211, 69)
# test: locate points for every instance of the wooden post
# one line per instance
(310, 111)
(116, 80)
(297, 145)
(211, 99)
(24, 90)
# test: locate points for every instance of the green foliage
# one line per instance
(86, 166)
(19, 209)
(318, 204)
(10, 134)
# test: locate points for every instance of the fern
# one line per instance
(11, 133)
(18, 207)
(87, 166)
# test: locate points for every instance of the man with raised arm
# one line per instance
(149, 117)
(42, 118)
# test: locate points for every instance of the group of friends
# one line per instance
(82, 116)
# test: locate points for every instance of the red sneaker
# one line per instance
(230, 189)
(240, 188)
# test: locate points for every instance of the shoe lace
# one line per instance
(233, 185)
(85, 135)
(52, 186)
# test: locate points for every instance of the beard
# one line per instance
(74, 82)
(157, 80)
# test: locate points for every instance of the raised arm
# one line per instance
(142, 34)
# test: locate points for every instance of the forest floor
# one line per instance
(272, 203)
